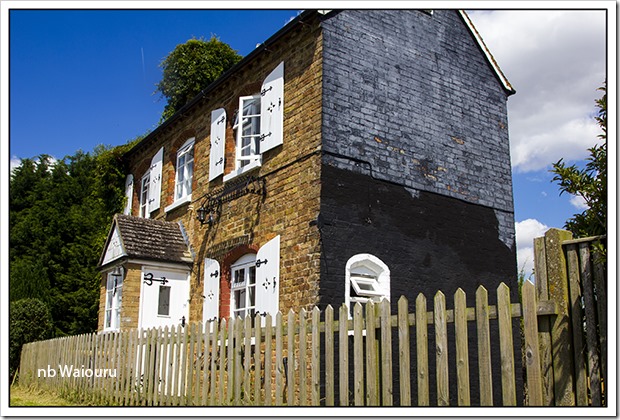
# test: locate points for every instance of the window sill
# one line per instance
(241, 171)
(178, 203)
(110, 329)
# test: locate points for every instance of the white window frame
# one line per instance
(245, 263)
(144, 196)
(113, 301)
(159, 301)
(245, 163)
(184, 175)
(369, 271)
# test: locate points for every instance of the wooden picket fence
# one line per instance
(411, 358)
(233, 363)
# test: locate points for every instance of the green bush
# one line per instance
(29, 320)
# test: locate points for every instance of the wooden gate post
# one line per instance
(557, 290)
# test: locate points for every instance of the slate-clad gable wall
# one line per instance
(416, 169)
(413, 94)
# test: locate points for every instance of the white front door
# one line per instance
(164, 297)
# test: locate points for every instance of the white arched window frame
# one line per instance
(243, 286)
(367, 278)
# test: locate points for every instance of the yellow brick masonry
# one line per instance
(291, 171)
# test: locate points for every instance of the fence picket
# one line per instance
(258, 371)
(600, 285)
(576, 313)
(221, 394)
(403, 351)
(131, 368)
(247, 360)
(509, 395)
(237, 362)
(290, 367)
(358, 356)
(441, 346)
(268, 360)
(590, 324)
(484, 347)
(208, 355)
(329, 356)
(303, 359)
(386, 354)
(279, 374)
(372, 358)
(170, 365)
(164, 369)
(422, 350)
(532, 359)
(194, 364)
(544, 326)
(462, 351)
(343, 357)
(315, 391)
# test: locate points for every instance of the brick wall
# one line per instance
(130, 307)
(291, 173)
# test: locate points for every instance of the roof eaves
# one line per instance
(203, 93)
(500, 75)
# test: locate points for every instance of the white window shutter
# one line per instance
(155, 183)
(218, 135)
(211, 291)
(272, 109)
(268, 279)
(128, 193)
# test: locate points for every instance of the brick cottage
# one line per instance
(355, 155)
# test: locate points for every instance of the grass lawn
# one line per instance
(24, 397)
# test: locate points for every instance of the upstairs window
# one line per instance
(144, 196)
(367, 279)
(247, 131)
(258, 126)
(185, 171)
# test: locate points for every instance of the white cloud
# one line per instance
(578, 202)
(555, 60)
(526, 231)
(14, 163)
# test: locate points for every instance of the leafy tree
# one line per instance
(29, 320)
(60, 212)
(191, 67)
(590, 183)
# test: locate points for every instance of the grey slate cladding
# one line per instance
(413, 94)
(152, 239)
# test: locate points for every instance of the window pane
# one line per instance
(251, 291)
(163, 308)
(252, 274)
(239, 277)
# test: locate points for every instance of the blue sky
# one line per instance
(82, 78)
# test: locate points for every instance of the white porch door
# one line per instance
(164, 297)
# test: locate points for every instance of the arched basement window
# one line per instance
(367, 278)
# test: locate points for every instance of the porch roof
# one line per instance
(140, 238)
